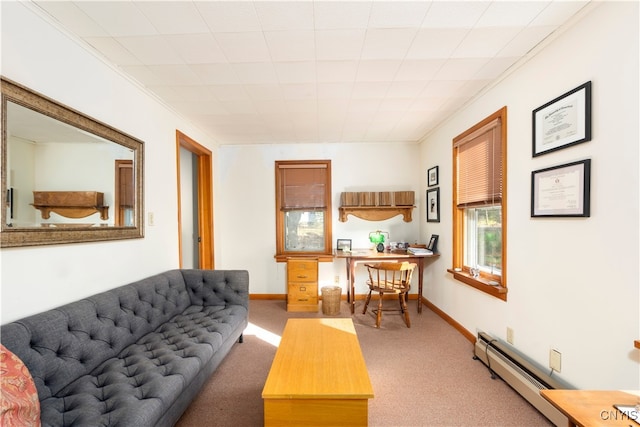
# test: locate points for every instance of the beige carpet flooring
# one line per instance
(422, 376)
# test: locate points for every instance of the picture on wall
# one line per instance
(561, 190)
(433, 205)
(563, 121)
(432, 176)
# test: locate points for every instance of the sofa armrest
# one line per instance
(217, 287)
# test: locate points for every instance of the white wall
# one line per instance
(245, 203)
(573, 282)
(42, 58)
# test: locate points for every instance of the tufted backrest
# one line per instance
(217, 287)
(62, 344)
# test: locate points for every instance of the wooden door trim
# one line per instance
(205, 199)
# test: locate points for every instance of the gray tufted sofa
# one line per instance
(135, 355)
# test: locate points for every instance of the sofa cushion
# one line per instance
(145, 378)
(19, 404)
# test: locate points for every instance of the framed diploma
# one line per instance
(561, 190)
(563, 122)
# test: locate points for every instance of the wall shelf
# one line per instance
(377, 206)
(376, 213)
(70, 204)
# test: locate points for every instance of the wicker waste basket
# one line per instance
(331, 300)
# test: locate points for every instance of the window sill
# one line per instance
(480, 284)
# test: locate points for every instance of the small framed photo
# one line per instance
(433, 205)
(432, 176)
(563, 121)
(344, 245)
(561, 190)
(433, 243)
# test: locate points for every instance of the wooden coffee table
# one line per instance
(318, 376)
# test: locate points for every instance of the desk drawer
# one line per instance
(303, 293)
(302, 271)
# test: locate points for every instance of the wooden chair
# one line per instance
(390, 278)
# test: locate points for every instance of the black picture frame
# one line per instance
(563, 121)
(562, 191)
(343, 245)
(433, 243)
(432, 176)
(433, 205)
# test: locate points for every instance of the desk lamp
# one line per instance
(377, 238)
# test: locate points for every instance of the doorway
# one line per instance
(195, 204)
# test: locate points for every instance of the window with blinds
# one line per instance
(479, 165)
(303, 208)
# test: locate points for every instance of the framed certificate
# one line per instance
(563, 122)
(561, 190)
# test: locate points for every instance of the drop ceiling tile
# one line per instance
(494, 68)
(243, 47)
(264, 92)
(150, 50)
(406, 89)
(335, 91)
(291, 45)
(120, 19)
(387, 43)
(142, 74)
(397, 14)
(419, 69)
(436, 43)
(341, 15)
(295, 72)
(485, 42)
(229, 16)
(299, 91)
(510, 13)
(377, 70)
(268, 107)
(460, 68)
(454, 14)
(285, 15)
(216, 74)
(175, 74)
(336, 71)
(339, 44)
(173, 17)
(196, 48)
(228, 92)
(370, 90)
(256, 72)
(242, 107)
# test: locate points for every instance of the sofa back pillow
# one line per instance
(19, 404)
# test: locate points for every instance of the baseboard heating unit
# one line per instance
(524, 376)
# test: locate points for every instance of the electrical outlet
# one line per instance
(509, 335)
(555, 360)
(336, 280)
(150, 219)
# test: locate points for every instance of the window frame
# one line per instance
(461, 271)
(281, 253)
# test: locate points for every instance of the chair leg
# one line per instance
(366, 303)
(379, 314)
(405, 311)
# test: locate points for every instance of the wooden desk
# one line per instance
(593, 407)
(318, 376)
(370, 255)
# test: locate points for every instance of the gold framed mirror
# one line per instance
(66, 178)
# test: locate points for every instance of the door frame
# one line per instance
(204, 197)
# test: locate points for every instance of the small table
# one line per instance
(593, 407)
(318, 376)
(371, 255)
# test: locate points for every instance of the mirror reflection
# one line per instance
(43, 187)
(65, 177)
